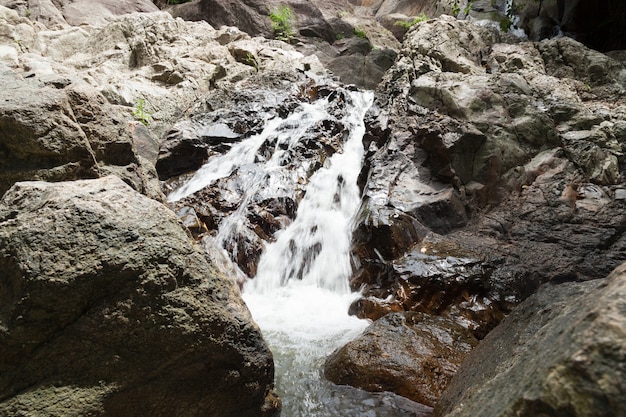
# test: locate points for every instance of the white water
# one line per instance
(300, 295)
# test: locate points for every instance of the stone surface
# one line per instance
(505, 152)
(74, 95)
(108, 309)
(411, 354)
(561, 352)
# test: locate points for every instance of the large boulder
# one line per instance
(561, 352)
(108, 309)
(412, 354)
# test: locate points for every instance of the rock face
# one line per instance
(354, 47)
(598, 25)
(411, 354)
(108, 309)
(479, 148)
(76, 97)
(561, 352)
(252, 16)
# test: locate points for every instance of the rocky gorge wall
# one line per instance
(494, 171)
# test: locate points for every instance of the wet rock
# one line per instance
(249, 205)
(106, 304)
(552, 355)
(411, 354)
(597, 25)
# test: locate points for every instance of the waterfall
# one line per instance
(300, 295)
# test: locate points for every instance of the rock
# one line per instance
(473, 142)
(98, 13)
(411, 354)
(109, 309)
(86, 88)
(253, 18)
(559, 352)
(597, 25)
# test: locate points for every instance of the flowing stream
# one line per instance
(300, 295)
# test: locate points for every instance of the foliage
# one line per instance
(282, 18)
(456, 7)
(141, 114)
(406, 25)
(252, 61)
(359, 32)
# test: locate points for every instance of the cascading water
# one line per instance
(300, 295)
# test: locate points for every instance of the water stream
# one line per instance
(300, 295)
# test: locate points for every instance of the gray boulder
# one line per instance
(108, 309)
(561, 352)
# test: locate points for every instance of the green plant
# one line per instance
(359, 32)
(282, 18)
(406, 25)
(140, 113)
(456, 7)
(251, 60)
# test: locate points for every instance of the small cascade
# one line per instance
(300, 295)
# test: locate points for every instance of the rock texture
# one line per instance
(598, 25)
(326, 30)
(76, 97)
(486, 158)
(108, 309)
(412, 354)
(561, 352)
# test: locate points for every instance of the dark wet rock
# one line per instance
(93, 273)
(438, 276)
(411, 354)
(559, 352)
(596, 24)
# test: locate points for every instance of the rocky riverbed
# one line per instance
(486, 246)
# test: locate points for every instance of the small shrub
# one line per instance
(252, 61)
(359, 32)
(406, 25)
(282, 18)
(141, 114)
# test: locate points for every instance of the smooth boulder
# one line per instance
(412, 354)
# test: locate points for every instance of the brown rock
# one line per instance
(411, 354)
